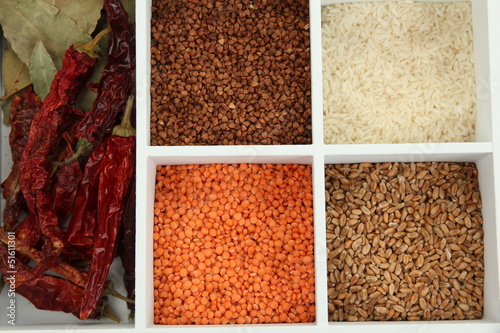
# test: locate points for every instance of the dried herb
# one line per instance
(84, 13)
(42, 70)
(25, 22)
(15, 73)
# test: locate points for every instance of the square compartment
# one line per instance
(404, 119)
(201, 159)
(405, 241)
(230, 73)
(228, 235)
(491, 311)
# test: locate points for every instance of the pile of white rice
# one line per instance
(398, 72)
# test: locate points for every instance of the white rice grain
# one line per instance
(398, 72)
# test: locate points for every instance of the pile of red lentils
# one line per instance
(233, 244)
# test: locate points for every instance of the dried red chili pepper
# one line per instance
(45, 134)
(64, 190)
(75, 276)
(27, 233)
(68, 178)
(80, 233)
(45, 292)
(53, 293)
(127, 251)
(116, 81)
(23, 110)
(118, 166)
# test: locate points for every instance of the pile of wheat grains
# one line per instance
(398, 72)
(232, 72)
(405, 241)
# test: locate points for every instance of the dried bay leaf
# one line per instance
(5, 104)
(15, 73)
(25, 22)
(129, 6)
(42, 70)
(85, 13)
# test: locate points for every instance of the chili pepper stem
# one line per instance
(89, 48)
(111, 291)
(81, 264)
(107, 312)
(82, 147)
(131, 316)
(125, 128)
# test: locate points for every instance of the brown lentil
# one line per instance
(233, 244)
(230, 72)
(417, 252)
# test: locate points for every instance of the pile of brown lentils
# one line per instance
(405, 241)
(232, 72)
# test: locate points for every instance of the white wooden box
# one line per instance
(485, 152)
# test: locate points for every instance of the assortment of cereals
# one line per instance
(405, 241)
(233, 244)
(233, 72)
(398, 72)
